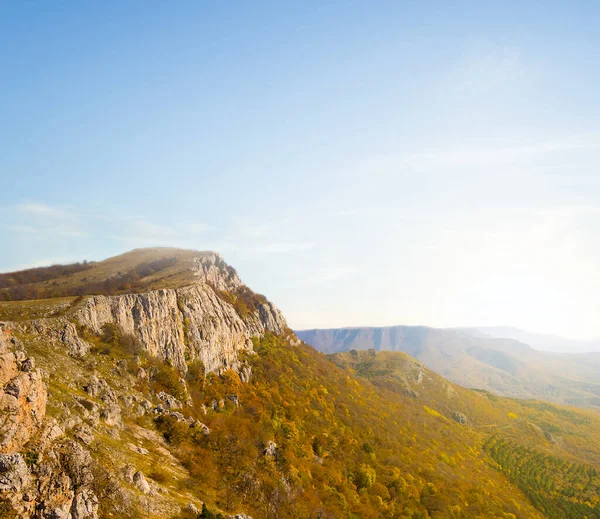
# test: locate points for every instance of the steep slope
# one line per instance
(194, 308)
(551, 453)
(504, 366)
(62, 426)
(303, 438)
(98, 418)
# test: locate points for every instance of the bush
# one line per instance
(159, 474)
(113, 336)
(195, 372)
(167, 378)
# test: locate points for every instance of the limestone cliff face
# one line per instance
(71, 446)
(198, 321)
(22, 395)
(56, 482)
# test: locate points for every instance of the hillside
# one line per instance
(504, 366)
(108, 409)
(550, 452)
(136, 271)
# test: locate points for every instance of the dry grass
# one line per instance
(175, 275)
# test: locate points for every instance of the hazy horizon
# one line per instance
(393, 164)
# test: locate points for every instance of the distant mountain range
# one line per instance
(474, 357)
(538, 341)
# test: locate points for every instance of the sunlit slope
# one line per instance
(551, 452)
(134, 271)
(504, 366)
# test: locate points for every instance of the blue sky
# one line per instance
(359, 163)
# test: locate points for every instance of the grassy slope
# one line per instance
(551, 452)
(363, 436)
(504, 366)
(96, 273)
(345, 448)
(112, 449)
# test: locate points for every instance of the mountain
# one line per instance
(473, 359)
(543, 342)
(157, 385)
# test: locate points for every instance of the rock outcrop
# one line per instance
(459, 417)
(23, 396)
(64, 459)
(52, 480)
(198, 321)
(60, 330)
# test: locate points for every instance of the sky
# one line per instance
(360, 163)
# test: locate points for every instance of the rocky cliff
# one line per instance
(54, 479)
(198, 321)
(70, 443)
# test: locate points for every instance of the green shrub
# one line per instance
(168, 379)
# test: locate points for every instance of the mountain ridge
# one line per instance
(505, 366)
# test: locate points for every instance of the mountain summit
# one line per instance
(181, 305)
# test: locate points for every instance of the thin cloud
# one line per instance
(481, 71)
(198, 227)
(284, 247)
(477, 156)
(328, 274)
(38, 209)
(45, 220)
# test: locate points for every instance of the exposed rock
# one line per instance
(84, 434)
(204, 428)
(76, 346)
(87, 404)
(77, 463)
(271, 449)
(461, 418)
(50, 432)
(28, 365)
(23, 397)
(57, 476)
(213, 270)
(14, 473)
(127, 400)
(550, 438)
(419, 376)
(178, 416)
(140, 482)
(214, 332)
(99, 388)
(245, 373)
(111, 414)
(85, 505)
(15, 483)
(61, 330)
(169, 401)
(128, 471)
(138, 449)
